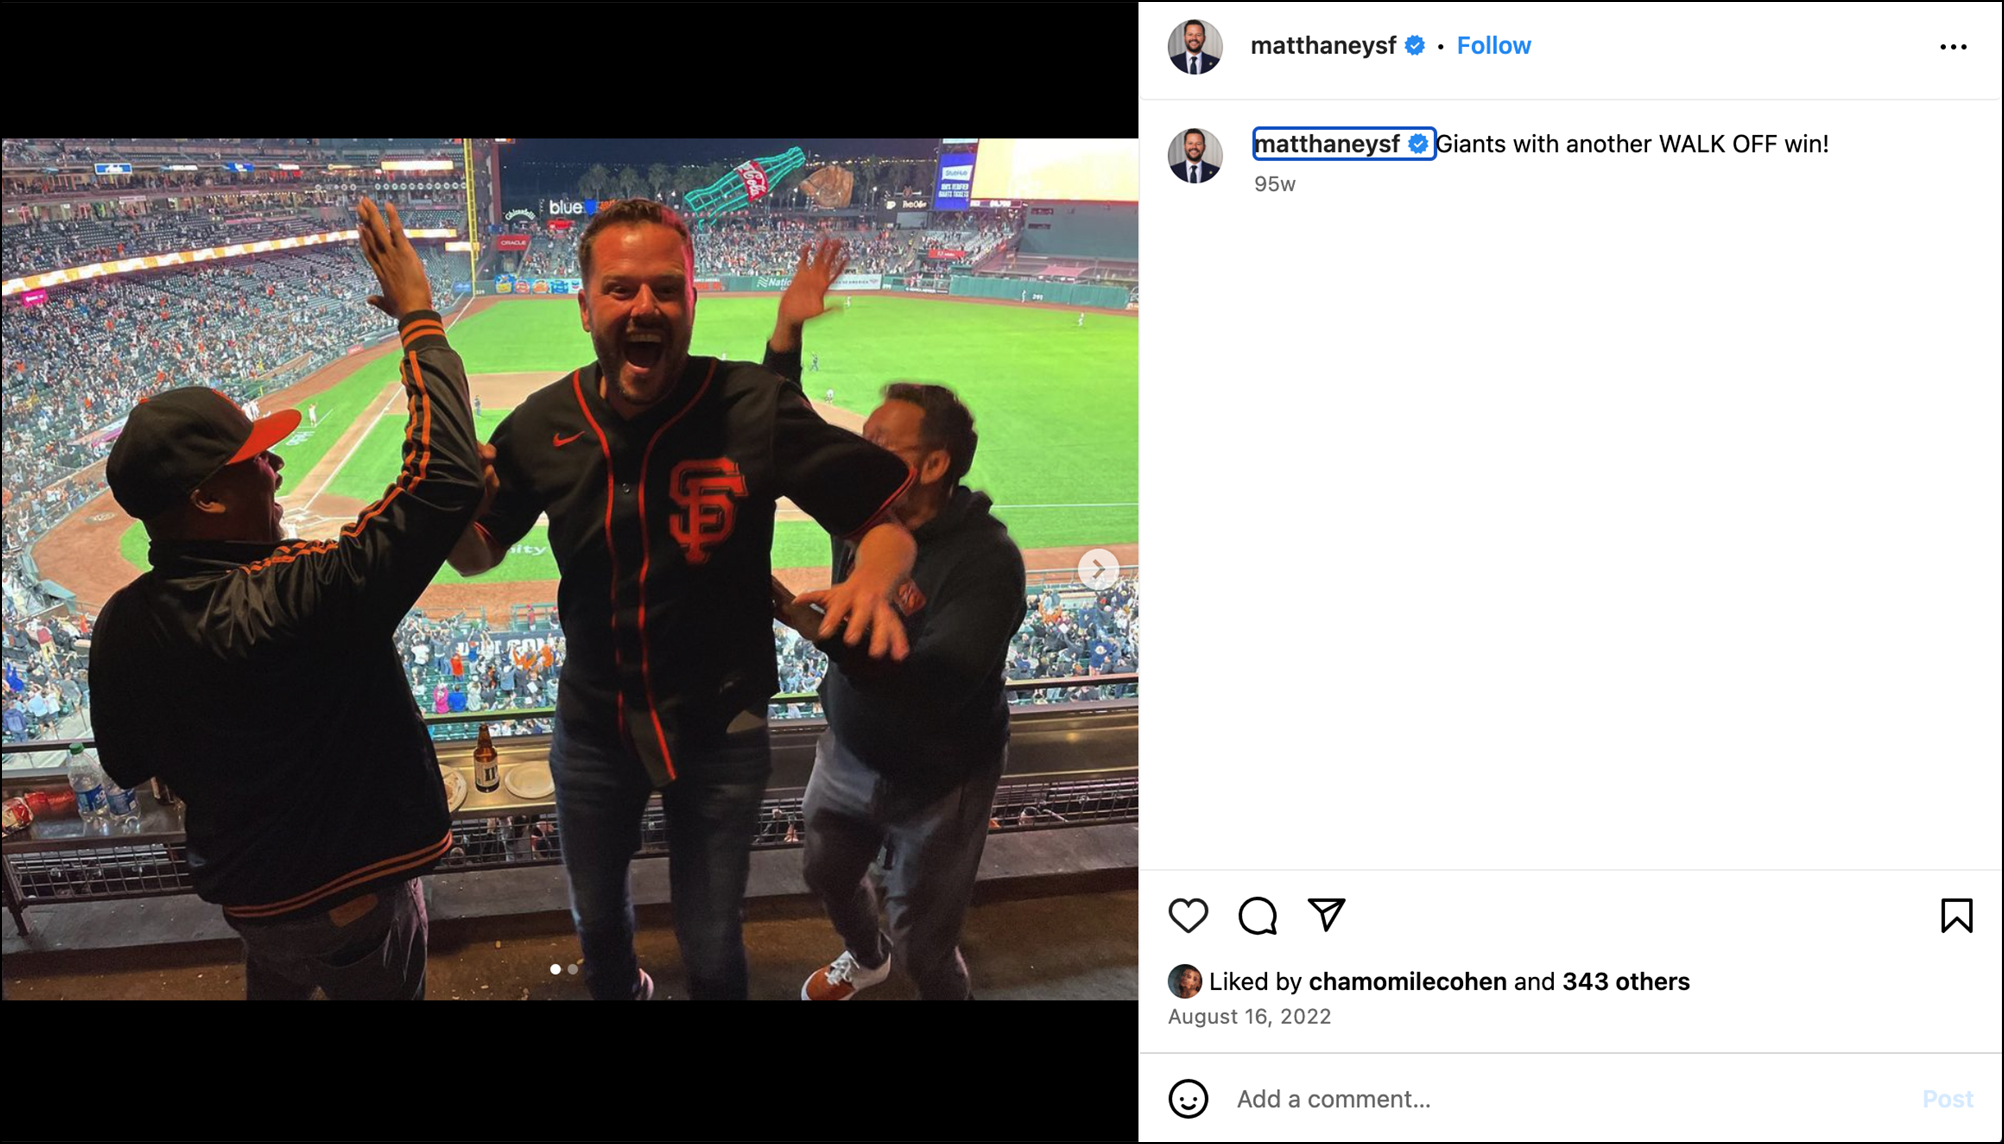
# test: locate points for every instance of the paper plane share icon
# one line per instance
(1328, 908)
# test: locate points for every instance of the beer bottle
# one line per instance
(486, 763)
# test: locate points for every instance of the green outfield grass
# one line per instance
(1056, 405)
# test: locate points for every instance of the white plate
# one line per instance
(455, 787)
(530, 780)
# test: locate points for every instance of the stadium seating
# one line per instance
(246, 326)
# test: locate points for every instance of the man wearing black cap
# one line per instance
(257, 676)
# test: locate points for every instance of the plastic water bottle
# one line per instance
(122, 806)
(87, 779)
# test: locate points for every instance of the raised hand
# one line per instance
(399, 270)
(806, 296)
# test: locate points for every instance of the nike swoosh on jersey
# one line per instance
(560, 442)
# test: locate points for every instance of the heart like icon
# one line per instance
(1189, 913)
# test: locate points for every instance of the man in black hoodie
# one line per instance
(914, 749)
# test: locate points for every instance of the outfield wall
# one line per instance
(509, 285)
(1001, 289)
(1039, 290)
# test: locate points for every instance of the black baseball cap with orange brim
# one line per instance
(174, 441)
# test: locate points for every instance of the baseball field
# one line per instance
(1056, 405)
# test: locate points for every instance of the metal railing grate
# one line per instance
(148, 869)
(136, 871)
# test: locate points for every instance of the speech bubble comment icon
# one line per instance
(1256, 916)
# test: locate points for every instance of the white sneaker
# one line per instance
(842, 979)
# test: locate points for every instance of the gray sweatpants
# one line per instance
(933, 851)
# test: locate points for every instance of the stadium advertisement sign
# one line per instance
(34, 297)
(946, 253)
(956, 180)
(710, 284)
(509, 284)
(754, 178)
(511, 242)
(782, 281)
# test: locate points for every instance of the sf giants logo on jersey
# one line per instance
(707, 491)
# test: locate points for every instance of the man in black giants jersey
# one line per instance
(659, 472)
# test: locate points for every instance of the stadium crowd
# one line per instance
(1070, 634)
(462, 664)
(767, 244)
(34, 246)
(36, 514)
(71, 367)
(44, 671)
(975, 234)
(1078, 634)
(548, 258)
(44, 151)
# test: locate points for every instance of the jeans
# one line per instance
(370, 948)
(712, 811)
(933, 852)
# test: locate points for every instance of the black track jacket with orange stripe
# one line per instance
(259, 681)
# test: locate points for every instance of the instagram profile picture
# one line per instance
(1194, 47)
(1185, 981)
(1193, 156)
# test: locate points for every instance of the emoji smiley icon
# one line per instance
(1188, 1099)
